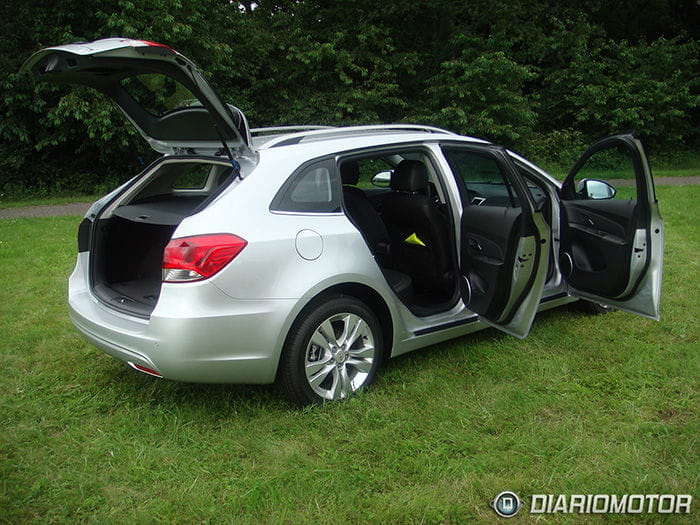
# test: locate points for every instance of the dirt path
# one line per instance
(79, 208)
(75, 208)
(660, 181)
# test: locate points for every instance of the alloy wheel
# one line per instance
(339, 356)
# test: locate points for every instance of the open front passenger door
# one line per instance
(504, 241)
(613, 238)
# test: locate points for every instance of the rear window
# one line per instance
(158, 94)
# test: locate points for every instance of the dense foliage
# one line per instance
(542, 77)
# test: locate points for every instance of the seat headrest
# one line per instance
(350, 172)
(410, 175)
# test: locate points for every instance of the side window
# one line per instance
(377, 170)
(370, 167)
(607, 174)
(314, 189)
(483, 179)
(193, 177)
(534, 186)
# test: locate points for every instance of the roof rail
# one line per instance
(409, 127)
(348, 131)
(285, 129)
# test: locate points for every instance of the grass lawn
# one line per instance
(560, 172)
(685, 164)
(585, 405)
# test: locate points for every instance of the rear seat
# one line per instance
(367, 219)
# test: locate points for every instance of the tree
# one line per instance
(539, 76)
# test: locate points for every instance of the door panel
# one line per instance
(503, 257)
(488, 234)
(612, 247)
(599, 236)
(614, 217)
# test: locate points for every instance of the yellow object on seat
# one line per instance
(413, 239)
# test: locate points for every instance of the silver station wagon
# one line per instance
(307, 256)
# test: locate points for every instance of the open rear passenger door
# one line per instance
(613, 239)
(504, 241)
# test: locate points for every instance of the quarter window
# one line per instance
(193, 177)
(314, 189)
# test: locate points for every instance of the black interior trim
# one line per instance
(161, 209)
(553, 297)
(445, 326)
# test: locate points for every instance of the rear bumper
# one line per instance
(195, 334)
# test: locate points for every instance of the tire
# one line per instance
(319, 363)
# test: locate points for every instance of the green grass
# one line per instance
(560, 172)
(684, 164)
(586, 404)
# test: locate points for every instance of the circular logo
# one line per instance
(506, 504)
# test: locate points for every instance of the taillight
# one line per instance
(156, 44)
(199, 257)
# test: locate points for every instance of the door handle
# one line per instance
(474, 245)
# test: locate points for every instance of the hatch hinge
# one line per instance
(184, 151)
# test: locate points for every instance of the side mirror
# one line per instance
(595, 189)
(382, 179)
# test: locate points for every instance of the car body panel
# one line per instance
(170, 342)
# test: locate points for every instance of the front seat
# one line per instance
(417, 228)
(367, 220)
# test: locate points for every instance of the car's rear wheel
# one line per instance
(332, 351)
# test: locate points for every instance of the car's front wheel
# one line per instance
(333, 350)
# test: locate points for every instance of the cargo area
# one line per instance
(130, 236)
